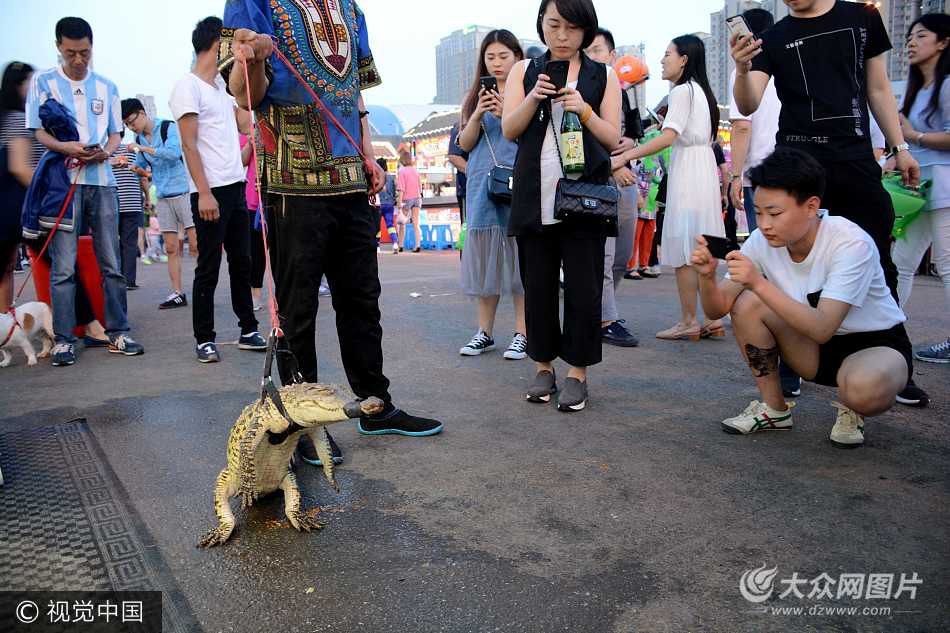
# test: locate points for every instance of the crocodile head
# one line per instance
(311, 405)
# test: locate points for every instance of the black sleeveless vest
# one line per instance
(526, 193)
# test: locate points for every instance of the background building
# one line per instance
(148, 102)
(455, 58)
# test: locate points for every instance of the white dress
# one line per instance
(693, 202)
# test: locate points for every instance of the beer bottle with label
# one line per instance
(572, 143)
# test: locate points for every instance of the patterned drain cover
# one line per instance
(66, 523)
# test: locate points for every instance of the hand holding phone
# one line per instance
(737, 26)
(557, 71)
(718, 247)
(489, 83)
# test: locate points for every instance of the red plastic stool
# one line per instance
(87, 274)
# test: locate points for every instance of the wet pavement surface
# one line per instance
(637, 514)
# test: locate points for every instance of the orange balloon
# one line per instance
(631, 69)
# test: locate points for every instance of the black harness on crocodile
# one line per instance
(277, 345)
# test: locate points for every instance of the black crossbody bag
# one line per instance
(578, 199)
(500, 178)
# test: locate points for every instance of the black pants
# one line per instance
(582, 256)
(258, 259)
(129, 225)
(230, 231)
(310, 237)
(657, 235)
(854, 191)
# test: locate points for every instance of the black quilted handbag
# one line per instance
(500, 178)
(578, 199)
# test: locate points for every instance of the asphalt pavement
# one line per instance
(638, 514)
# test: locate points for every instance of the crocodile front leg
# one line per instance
(322, 444)
(223, 491)
(297, 518)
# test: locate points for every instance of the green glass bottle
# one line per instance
(572, 143)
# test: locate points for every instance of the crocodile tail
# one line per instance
(326, 457)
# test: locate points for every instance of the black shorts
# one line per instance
(831, 355)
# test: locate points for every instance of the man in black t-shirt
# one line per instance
(828, 61)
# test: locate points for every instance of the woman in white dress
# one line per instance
(693, 202)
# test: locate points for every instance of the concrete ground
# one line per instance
(638, 514)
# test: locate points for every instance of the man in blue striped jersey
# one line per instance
(93, 101)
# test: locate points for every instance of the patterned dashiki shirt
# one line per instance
(299, 151)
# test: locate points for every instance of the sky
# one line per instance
(146, 47)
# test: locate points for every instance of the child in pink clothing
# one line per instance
(153, 236)
(408, 200)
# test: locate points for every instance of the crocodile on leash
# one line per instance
(261, 446)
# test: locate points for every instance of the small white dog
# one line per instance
(21, 324)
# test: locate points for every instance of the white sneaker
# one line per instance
(759, 416)
(479, 344)
(518, 348)
(848, 431)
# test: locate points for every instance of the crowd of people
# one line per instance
(567, 191)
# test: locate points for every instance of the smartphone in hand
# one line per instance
(718, 247)
(557, 71)
(489, 83)
(737, 25)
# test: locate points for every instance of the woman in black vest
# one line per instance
(546, 245)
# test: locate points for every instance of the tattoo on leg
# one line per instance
(762, 361)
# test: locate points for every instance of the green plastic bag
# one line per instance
(908, 203)
(460, 243)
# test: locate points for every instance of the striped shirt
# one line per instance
(94, 102)
(13, 125)
(130, 189)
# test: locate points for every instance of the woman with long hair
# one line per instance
(408, 200)
(18, 159)
(925, 120)
(693, 202)
(490, 257)
(533, 109)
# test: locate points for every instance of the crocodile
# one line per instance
(261, 446)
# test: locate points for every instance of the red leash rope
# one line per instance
(59, 219)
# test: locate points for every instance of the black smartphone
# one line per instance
(719, 247)
(489, 83)
(557, 71)
(92, 147)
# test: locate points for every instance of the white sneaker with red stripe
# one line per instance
(759, 416)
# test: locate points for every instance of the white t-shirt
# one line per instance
(764, 124)
(218, 143)
(843, 264)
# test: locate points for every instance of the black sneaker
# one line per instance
(125, 344)
(207, 353)
(913, 396)
(543, 387)
(252, 341)
(617, 334)
(633, 274)
(573, 397)
(132, 286)
(308, 452)
(649, 273)
(791, 382)
(63, 355)
(395, 421)
(479, 344)
(174, 300)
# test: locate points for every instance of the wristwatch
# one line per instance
(893, 151)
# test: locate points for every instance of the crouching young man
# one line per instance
(808, 287)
